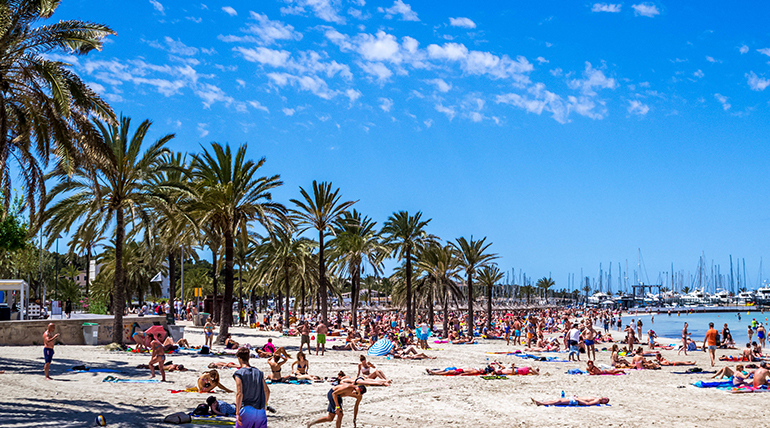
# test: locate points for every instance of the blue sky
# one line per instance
(570, 134)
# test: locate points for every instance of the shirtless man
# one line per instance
(320, 338)
(275, 366)
(48, 342)
(684, 340)
(574, 401)
(335, 403)
(589, 335)
(761, 375)
(304, 333)
(517, 332)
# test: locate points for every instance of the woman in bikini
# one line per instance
(275, 366)
(593, 370)
(300, 368)
(208, 330)
(664, 362)
(158, 357)
(514, 371)
(137, 335)
(210, 380)
(615, 359)
(230, 343)
(365, 370)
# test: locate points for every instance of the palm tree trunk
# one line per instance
(322, 278)
(227, 304)
(471, 325)
(302, 292)
(489, 306)
(354, 299)
(171, 280)
(215, 284)
(445, 332)
(288, 290)
(430, 307)
(119, 300)
(409, 314)
(88, 273)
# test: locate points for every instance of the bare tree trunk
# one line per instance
(322, 278)
(288, 290)
(430, 307)
(489, 306)
(171, 280)
(215, 284)
(409, 314)
(226, 315)
(445, 333)
(471, 325)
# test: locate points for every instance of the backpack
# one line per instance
(201, 410)
(179, 418)
(204, 350)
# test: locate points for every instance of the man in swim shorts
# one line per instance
(304, 333)
(335, 403)
(711, 341)
(252, 394)
(320, 337)
(589, 335)
(48, 342)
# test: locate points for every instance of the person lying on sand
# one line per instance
(455, 371)
(739, 376)
(167, 366)
(664, 362)
(573, 401)
(500, 369)
(223, 365)
(593, 370)
(219, 407)
(410, 353)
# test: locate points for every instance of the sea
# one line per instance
(670, 326)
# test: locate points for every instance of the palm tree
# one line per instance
(230, 194)
(544, 284)
(118, 183)
(320, 212)
(473, 256)
(87, 237)
(45, 108)
(489, 276)
(442, 270)
(355, 246)
(587, 289)
(406, 235)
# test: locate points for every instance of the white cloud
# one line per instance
(175, 47)
(202, 131)
(386, 104)
(382, 47)
(723, 100)
(757, 83)
(312, 84)
(605, 7)
(269, 31)
(636, 107)
(483, 63)
(699, 74)
(264, 55)
(376, 69)
(257, 105)
(399, 8)
(327, 10)
(428, 123)
(712, 60)
(645, 9)
(764, 51)
(541, 60)
(441, 85)
(592, 78)
(448, 111)
(159, 7)
(288, 111)
(462, 22)
(743, 49)
(230, 11)
(353, 95)
(240, 82)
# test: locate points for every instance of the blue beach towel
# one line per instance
(719, 384)
(113, 379)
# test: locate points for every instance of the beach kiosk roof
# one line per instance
(17, 285)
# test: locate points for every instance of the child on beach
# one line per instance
(48, 342)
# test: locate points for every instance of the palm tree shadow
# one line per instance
(78, 413)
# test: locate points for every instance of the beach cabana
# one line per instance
(21, 286)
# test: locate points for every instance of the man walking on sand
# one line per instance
(251, 394)
(711, 341)
(48, 341)
(320, 337)
(304, 333)
(335, 403)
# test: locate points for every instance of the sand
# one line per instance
(641, 398)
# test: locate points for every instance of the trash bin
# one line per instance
(91, 333)
(177, 332)
(170, 319)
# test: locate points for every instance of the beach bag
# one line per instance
(201, 410)
(178, 418)
(204, 350)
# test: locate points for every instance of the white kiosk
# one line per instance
(22, 287)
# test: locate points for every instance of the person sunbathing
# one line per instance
(167, 366)
(350, 346)
(514, 371)
(300, 368)
(616, 360)
(410, 353)
(169, 345)
(269, 350)
(275, 366)
(640, 363)
(664, 362)
(137, 335)
(343, 378)
(368, 370)
(739, 376)
(230, 343)
(223, 365)
(455, 371)
(209, 380)
(573, 401)
(593, 370)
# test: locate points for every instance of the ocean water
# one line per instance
(670, 327)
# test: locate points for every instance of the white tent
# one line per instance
(17, 285)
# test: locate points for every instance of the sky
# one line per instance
(568, 134)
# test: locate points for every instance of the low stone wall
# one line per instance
(25, 333)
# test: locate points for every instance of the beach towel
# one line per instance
(707, 372)
(290, 382)
(718, 384)
(575, 372)
(505, 353)
(746, 389)
(567, 405)
(440, 341)
(380, 348)
(177, 391)
(538, 358)
(113, 379)
(494, 377)
(86, 369)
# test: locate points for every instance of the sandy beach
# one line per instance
(640, 398)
